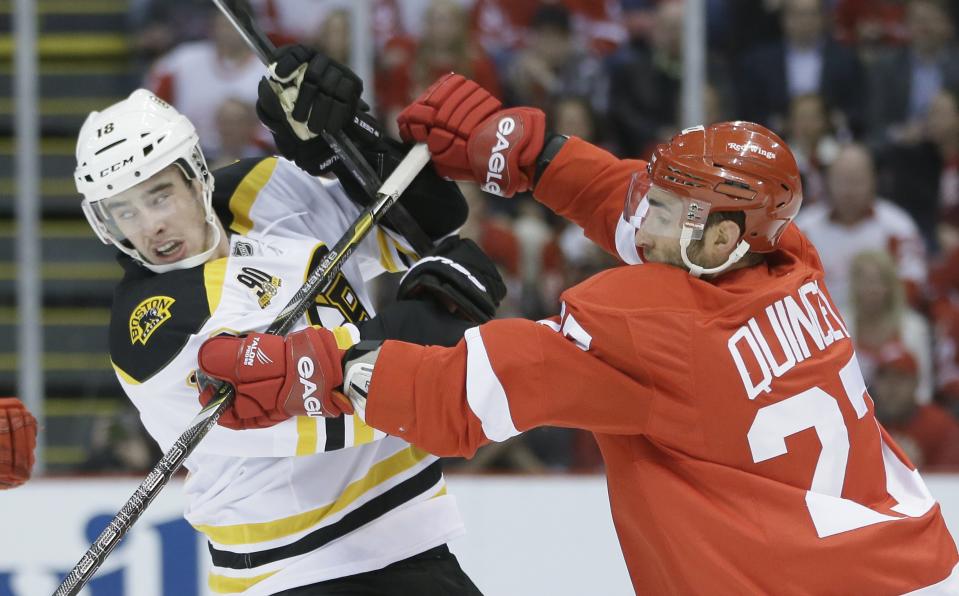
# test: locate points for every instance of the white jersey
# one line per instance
(888, 228)
(310, 498)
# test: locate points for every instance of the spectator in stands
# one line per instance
(160, 25)
(445, 46)
(645, 85)
(923, 177)
(926, 432)
(239, 131)
(493, 232)
(879, 316)
(333, 36)
(540, 263)
(871, 24)
(749, 24)
(811, 136)
(197, 77)
(300, 21)
(904, 82)
(855, 220)
(573, 116)
(807, 60)
(552, 65)
(646, 81)
(500, 26)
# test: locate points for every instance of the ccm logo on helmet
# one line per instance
(311, 404)
(497, 162)
(116, 167)
(752, 148)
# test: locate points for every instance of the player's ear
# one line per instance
(726, 237)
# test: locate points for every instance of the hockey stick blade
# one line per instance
(319, 280)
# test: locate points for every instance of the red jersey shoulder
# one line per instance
(795, 249)
(635, 287)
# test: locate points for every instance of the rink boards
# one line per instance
(526, 535)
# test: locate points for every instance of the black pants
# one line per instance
(435, 572)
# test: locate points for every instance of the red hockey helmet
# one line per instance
(734, 166)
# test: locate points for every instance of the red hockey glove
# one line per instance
(276, 377)
(18, 438)
(471, 138)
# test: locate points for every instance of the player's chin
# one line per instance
(651, 256)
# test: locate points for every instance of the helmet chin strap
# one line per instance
(686, 237)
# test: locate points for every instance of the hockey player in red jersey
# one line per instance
(18, 438)
(741, 447)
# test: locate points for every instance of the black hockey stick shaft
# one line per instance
(341, 145)
(319, 280)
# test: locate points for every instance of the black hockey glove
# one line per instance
(460, 277)
(308, 93)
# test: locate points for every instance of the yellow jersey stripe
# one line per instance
(361, 432)
(214, 273)
(305, 435)
(386, 253)
(272, 530)
(343, 337)
(406, 251)
(221, 584)
(440, 493)
(124, 375)
(245, 194)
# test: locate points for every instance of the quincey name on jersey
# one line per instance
(790, 324)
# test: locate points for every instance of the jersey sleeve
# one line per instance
(157, 327)
(272, 195)
(588, 186)
(166, 412)
(504, 377)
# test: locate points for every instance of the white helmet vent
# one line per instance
(110, 146)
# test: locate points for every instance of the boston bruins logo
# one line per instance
(262, 283)
(148, 316)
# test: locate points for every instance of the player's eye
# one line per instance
(125, 214)
(160, 199)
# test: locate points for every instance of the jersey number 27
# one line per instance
(815, 408)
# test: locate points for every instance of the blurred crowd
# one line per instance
(864, 91)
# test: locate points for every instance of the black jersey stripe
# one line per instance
(359, 517)
(335, 433)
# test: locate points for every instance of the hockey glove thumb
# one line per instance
(275, 377)
(317, 93)
(18, 439)
(307, 93)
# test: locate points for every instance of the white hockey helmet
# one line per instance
(126, 144)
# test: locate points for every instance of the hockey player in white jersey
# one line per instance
(313, 505)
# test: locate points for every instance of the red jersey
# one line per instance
(742, 451)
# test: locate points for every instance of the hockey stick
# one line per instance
(319, 280)
(341, 145)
